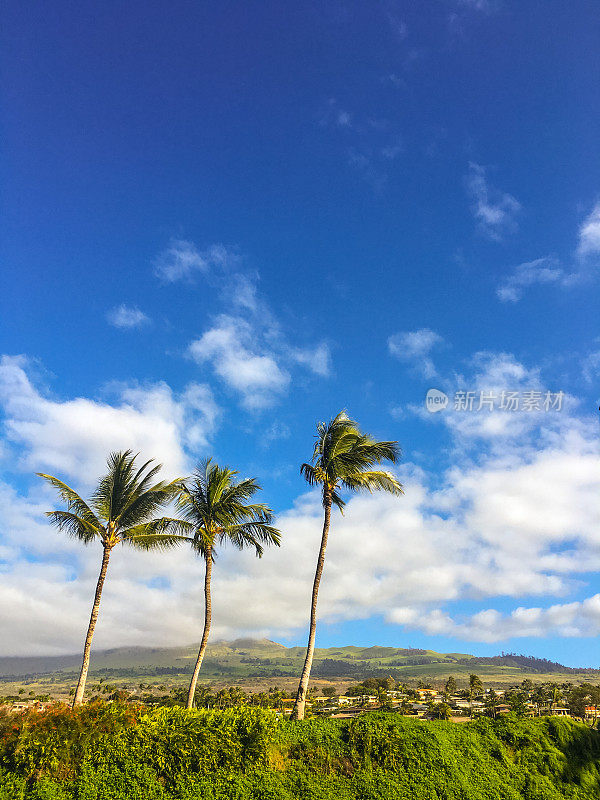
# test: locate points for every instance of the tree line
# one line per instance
(215, 507)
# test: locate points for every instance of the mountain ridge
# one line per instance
(248, 657)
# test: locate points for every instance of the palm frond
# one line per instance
(217, 507)
(337, 500)
(162, 525)
(75, 526)
(251, 532)
(311, 474)
(155, 541)
(74, 502)
(373, 480)
(141, 506)
(343, 456)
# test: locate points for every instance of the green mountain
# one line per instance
(244, 659)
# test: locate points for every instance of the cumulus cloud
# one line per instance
(415, 347)
(577, 619)
(230, 347)
(525, 528)
(75, 436)
(589, 234)
(499, 402)
(495, 211)
(519, 521)
(127, 317)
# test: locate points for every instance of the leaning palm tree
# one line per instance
(121, 510)
(215, 510)
(343, 458)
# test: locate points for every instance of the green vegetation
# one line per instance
(110, 752)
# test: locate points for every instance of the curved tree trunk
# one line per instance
(205, 632)
(298, 710)
(79, 692)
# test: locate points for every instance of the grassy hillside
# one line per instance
(262, 662)
(107, 753)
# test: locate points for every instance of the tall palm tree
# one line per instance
(121, 511)
(343, 458)
(215, 510)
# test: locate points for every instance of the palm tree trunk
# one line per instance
(299, 705)
(205, 632)
(79, 692)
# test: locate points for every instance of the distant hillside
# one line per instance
(528, 663)
(262, 658)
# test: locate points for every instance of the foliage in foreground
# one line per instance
(107, 752)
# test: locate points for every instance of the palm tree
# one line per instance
(343, 458)
(215, 510)
(121, 511)
(475, 689)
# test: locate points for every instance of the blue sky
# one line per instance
(222, 223)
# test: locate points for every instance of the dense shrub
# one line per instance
(106, 752)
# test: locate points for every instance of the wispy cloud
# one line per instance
(539, 271)
(480, 5)
(396, 22)
(317, 359)
(245, 345)
(127, 317)
(589, 234)
(182, 261)
(415, 347)
(370, 143)
(548, 270)
(495, 211)
(591, 365)
(336, 116)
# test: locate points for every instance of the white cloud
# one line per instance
(317, 359)
(548, 270)
(577, 619)
(494, 211)
(182, 261)
(591, 366)
(230, 346)
(589, 233)
(415, 347)
(247, 347)
(525, 528)
(490, 380)
(277, 430)
(127, 317)
(75, 436)
(520, 521)
(539, 271)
